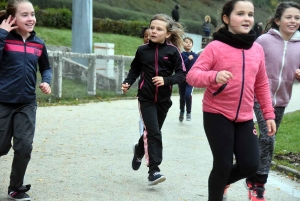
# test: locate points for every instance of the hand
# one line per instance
(191, 57)
(8, 24)
(271, 127)
(158, 81)
(45, 88)
(297, 74)
(223, 77)
(125, 87)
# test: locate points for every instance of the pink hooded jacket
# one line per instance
(235, 99)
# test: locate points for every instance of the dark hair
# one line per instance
(11, 9)
(281, 7)
(228, 8)
(144, 29)
(173, 27)
(188, 39)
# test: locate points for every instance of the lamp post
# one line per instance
(82, 28)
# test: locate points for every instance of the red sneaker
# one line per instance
(258, 194)
(249, 186)
(225, 192)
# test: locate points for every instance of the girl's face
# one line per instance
(289, 22)
(25, 18)
(188, 45)
(158, 31)
(241, 18)
(146, 36)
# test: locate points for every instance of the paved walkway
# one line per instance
(84, 153)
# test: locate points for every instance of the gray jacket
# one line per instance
(282, 58)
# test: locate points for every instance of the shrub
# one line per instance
(50, 17)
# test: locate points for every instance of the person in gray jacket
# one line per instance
(281, 46)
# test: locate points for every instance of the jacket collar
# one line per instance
(152, 44)
(18, 35)
(295, 37)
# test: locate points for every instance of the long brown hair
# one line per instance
(174, 28)
(11, 9)
(281, 7)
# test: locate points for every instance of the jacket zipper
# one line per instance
(24, 65)
(242, 89)
(156, 73)
(280, 74)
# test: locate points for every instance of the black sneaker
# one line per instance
(181, 116)
(136, 161)
(155, 178)
(188, 117)
(20, 194)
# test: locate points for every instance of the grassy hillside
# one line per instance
(124, 45)
(142, 10)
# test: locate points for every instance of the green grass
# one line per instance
(287, 137)
(124, 45)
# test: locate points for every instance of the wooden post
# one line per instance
(120, 75)
(55, 87)
(91, 76)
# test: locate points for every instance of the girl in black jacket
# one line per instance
(156, 63)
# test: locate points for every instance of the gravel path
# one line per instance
(84, 153)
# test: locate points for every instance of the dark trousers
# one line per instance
(185, 92)
(266, 144)
(17, 122)
(150, 144)
(225, 139)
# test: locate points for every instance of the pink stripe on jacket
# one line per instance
(234, 100)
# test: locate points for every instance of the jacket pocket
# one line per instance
(220, 89)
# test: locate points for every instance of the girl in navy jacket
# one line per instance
(21, 52)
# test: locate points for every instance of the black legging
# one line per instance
(225, 139)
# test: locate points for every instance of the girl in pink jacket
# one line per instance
(232, 69)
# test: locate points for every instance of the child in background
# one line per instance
(156, 62)
(232, 68)
(185, 90)
(281, 46)
(146, 36)
(21, 52)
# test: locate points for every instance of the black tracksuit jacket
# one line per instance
(152, 60)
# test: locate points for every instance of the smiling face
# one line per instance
(158, 31)
(25, 19)
(289, 22)
(241, 18)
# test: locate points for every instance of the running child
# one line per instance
(232, 68)
(281, 46)
(21, 52)
(185, 90)
(156, 62)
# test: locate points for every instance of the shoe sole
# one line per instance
(21, 199)
(157, 181)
